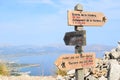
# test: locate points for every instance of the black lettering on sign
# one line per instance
(73, 63)
(97, 21)
(78, 19)
(87, 20)
(81, 62)
(65, 58)
(72, 57)
(91, 15)
(82, 14)
(77, 57)
(73, 14)
(90, 60)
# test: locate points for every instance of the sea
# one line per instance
(46, 64)
(45, 61)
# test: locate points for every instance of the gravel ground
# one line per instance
(27, 77)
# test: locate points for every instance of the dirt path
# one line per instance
(26, 77)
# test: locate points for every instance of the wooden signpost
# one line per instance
(75, 61)
(76, 18)
(79, 61)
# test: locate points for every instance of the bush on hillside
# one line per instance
(3, 70)
(61, 72)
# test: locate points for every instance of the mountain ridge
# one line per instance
(26, 50)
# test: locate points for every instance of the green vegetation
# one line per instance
(61, 72)
(14, 68)
(3, 69)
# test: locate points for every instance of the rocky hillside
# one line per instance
(106, 68)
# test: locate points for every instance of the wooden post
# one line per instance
(79, 73)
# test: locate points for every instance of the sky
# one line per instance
(44, 22)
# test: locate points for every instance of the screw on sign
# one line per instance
(75, 38)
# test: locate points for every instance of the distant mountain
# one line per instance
(18, 51)
(32, 49)
(98, 49)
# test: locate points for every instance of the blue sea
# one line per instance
(46, 64)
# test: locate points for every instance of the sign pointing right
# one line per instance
(77, 18)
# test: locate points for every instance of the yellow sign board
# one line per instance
(77, 18)
(75, 61)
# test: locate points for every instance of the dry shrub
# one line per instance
(61, 72)
(3, 70)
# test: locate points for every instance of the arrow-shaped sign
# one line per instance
(75, 61)
(75, 38)
(77, 18)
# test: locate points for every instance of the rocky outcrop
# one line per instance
(114, 70)
(107, 68)
(113, 54)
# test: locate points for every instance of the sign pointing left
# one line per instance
(75, 61)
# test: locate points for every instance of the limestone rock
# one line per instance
(114, 72)
(102, 78)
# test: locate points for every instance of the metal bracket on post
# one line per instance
(78, 49)
(78, 28)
